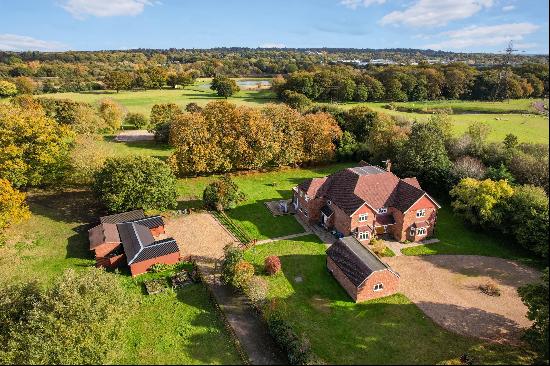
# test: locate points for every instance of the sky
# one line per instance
(450, 25)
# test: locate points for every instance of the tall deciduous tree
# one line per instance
(481, 202)
(76, 321)
(424, 155)
(112, 113)
(132, 182)
(33, 147)
(118, 80)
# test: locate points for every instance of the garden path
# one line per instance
(203, 237)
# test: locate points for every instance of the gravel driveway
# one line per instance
(199, 235)
(445, 287)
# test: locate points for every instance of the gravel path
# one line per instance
(445, 287)
(134, 135)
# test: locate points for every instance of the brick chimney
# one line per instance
(388, 165)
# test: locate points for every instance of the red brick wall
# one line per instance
(104, 249)
(370, 220)
(342, 221)
(389, 281)
(342, 279)
(141, 267)
(366, 292)
(401, 230)
(313, 207)
(156, 231)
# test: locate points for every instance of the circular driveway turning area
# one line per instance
(446, 288)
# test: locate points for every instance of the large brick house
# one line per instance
(359, 271)
(366, 201)
(132, 238)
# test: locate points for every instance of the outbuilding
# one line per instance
(359, 271)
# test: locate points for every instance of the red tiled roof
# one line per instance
(350, 188)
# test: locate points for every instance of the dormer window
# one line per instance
(363, 217)
(329, 202)
(383, 210)
(421, 212)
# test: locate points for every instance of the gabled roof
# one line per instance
(103, 233)
(350, 188)
(139, 244)
(123, 217)
(354, 260)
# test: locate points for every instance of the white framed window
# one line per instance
(382, 210)
(422, 231)
(378, 287)
(421, 212)
(363, 217)
(301, 193)
(363, 235)
(305, 213)
(306, 197)
(413, 231)
(329, 202)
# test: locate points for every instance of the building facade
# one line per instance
(366, 201)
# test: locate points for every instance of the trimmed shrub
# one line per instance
(222, 194)
(272, 265)
(233, 255)
(256, 290)
(297, 349)
(137, 120)
(242, 274)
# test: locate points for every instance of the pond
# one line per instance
(246, 84)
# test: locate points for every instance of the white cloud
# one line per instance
(483, 36)
(15, 42)
(273, 45)
(353, 4)
(508, 7)
(105, 8)
(435, 12)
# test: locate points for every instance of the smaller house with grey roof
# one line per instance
(365, 201)
(359, 271)
(132, 238)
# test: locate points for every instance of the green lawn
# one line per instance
(527, 126)
(176, 327)
(142, 101)
(473, 106)
(457, 237)
(391, 330)
(252, 215)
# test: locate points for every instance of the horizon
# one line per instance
(459, 26)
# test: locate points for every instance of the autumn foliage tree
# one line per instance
(112, 113)
(224, 137)
(12, 204)
(33, 147)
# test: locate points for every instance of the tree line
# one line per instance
(411, 83)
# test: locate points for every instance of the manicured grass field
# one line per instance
(142, 101)
(457, 237)
(176, 327)
(391, 330)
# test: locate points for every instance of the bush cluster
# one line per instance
(272, 265)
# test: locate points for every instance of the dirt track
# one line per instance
(445, 287)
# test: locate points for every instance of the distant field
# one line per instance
(527, 126)
(514, 116)
(142, 101)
